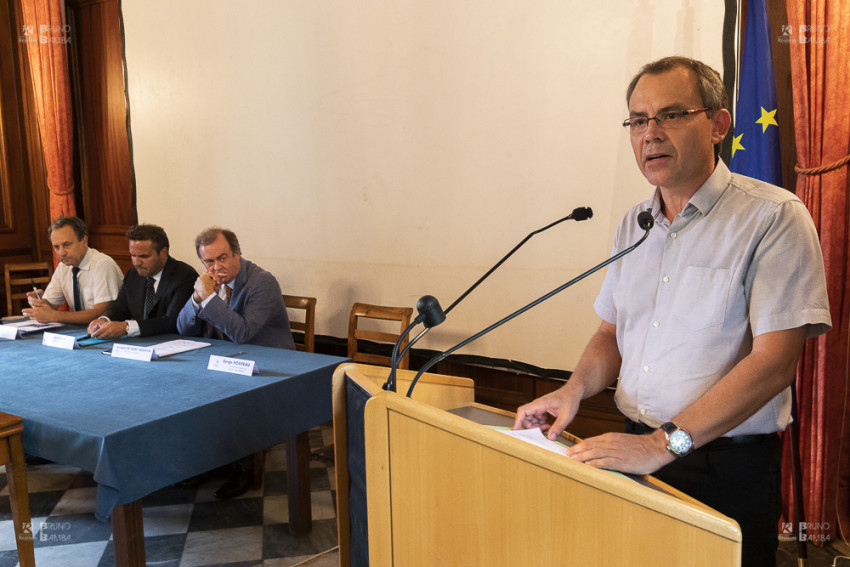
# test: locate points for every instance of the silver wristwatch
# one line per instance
(679, 441)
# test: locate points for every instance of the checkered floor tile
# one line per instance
(183, 527)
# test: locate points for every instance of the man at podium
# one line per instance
(703, 324)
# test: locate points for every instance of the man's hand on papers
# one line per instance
(635, 454)
(44, 313)
(560, 404)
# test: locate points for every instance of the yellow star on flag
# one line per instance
(767, 118)
(736, 144)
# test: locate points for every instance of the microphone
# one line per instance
(430, 312)
(578, 214)
(644, 220)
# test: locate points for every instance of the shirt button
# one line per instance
(656, 323)
(673, 235)
(646, 368)
(643, 412)
(665, 279)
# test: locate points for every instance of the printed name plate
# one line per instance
(8, 332)
(233, 365)
(133, 352)
(57, 340)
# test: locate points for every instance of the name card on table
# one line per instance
(59, 340)
(233, 365)
(8, 332)
(133, 352)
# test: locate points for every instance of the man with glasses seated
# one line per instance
(705, 322)
(234, 300)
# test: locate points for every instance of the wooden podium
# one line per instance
(436, 488)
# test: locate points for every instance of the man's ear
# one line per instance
(721, 121)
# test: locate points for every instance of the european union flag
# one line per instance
(755, 147)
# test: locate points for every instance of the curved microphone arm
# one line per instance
(579, 214)
(430, 312)
(390, 384)
(522, 310)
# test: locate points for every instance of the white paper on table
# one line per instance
(536, 437)
(31, 326)
(177, 346)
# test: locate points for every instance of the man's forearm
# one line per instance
(80, 317)
(753, 382)
(599, 365)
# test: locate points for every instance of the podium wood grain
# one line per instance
(443, 490)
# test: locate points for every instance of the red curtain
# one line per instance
(819, 38)
(47, 37)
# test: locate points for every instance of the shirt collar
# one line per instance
(87, 259)
(706, 196)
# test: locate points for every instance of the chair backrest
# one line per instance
(308, 325)
(380, 312)
(20, 278)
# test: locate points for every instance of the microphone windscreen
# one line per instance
(645, 220)
(430, 312)
(582, 213)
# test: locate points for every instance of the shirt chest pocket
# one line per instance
(701, 297)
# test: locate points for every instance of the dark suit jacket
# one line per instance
(256, 314)
(175, 287)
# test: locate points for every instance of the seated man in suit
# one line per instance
(153, 292)
(234, 300)
(85, 279)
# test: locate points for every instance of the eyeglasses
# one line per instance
(669, 119)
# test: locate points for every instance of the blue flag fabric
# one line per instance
(755, 146)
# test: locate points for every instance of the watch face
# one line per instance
(680, 442)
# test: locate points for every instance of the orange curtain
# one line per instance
(47, 39)
(819, 38)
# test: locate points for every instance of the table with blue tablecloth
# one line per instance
(140, 426)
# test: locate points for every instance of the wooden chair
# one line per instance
(12, 456)
(20, 278)
(380, 312)
(308, 326)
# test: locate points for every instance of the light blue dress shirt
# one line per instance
(743, 258)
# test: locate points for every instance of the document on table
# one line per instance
(31, 326)
(177, 346)
(535, 437)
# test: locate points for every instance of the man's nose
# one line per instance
(653, 131)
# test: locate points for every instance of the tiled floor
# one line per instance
(190, 528)
(183, 527)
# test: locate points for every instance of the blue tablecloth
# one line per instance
(141, 426)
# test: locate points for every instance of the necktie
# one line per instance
(78, 302)
(228, 292)
(149, 293)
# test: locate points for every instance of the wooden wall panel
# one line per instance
(105, 174)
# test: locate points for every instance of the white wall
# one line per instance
(378, 150)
